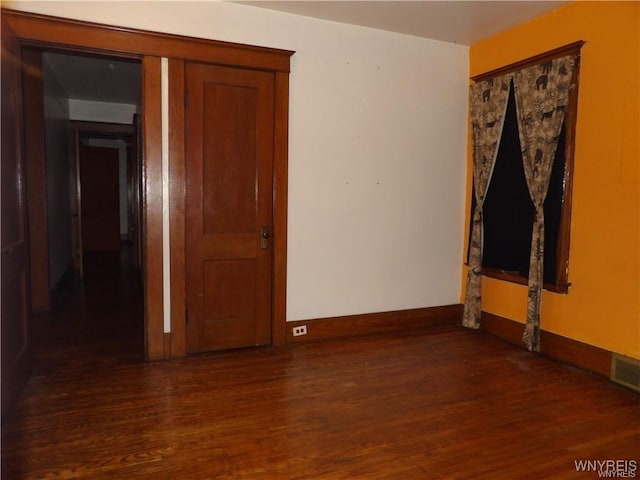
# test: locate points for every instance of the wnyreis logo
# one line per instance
(608, 468)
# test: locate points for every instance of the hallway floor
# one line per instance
(98, 320)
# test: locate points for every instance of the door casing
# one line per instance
(72, 35)
(16, 302)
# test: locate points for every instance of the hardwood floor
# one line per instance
(99, 319)
(440, 404)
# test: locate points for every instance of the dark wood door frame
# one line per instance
(15, 309)
(35, 161)
(71, 35)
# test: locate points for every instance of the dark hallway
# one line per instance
(95, 320)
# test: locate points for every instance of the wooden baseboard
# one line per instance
(370, 323)
(566, 350)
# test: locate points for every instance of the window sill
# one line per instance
(514, 277)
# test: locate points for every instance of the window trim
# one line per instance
(561, 285)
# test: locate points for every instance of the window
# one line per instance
(508, 210)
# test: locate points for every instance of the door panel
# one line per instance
(16, 352)
(100, 198)
(230, 305)
(229, 128)
(229, 160)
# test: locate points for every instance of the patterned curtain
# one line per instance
(488, 101)
(542, 95)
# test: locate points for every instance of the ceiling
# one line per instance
(453, 21)
(104, 79)
(464, 22)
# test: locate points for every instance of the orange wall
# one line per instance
(603, 304)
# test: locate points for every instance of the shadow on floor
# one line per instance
(95, 320)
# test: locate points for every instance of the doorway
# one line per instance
(107, 189)
(162, 263)
(90, 106)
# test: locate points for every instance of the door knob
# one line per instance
(265, 235)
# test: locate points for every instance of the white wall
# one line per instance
(90, 111)
(57, 131)
(377, 151)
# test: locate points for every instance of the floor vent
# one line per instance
(625, 371)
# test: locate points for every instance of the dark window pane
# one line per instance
(508, 210)
(553, 211)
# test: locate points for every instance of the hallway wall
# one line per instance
(59, 211)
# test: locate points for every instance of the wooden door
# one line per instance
(100, 198)
(229, 138)
(15, 297)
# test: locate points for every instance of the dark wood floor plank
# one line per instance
(451, 404)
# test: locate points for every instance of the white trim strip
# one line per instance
(166, 266)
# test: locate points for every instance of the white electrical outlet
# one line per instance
(301, 330)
